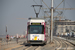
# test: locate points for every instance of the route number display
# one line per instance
(35, 23)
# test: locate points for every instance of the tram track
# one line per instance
(59, 45)
(27, 48)
(64, 45)
(33, 48)
(69, 46)
(37, 48)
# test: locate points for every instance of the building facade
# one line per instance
(63, 27)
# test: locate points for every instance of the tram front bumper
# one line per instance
(36, 42)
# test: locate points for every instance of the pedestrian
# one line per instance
(17, 37)
(7, 38)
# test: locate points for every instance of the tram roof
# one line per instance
(36, 20)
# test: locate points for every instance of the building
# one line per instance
(63, 27)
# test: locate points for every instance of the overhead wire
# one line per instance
(54, 3)
(42, 7)
(68, 4)
(35, 2)
(63, 15)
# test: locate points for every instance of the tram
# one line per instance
(36, 31)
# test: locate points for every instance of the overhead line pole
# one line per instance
(51, 25)
(51, 32)
(6, 29)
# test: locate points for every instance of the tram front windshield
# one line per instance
(36, 29)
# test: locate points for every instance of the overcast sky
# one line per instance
(10, 10)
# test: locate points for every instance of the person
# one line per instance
(58, 34)
(7, 38)
(68, 34)
(17, 38)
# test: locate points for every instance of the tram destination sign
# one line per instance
(35, 23)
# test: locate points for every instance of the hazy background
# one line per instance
(10, 10)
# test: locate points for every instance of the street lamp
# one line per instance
(37, 7)
(6, 29)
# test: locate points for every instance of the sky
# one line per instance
(12, 10)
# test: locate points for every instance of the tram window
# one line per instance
(36, 29)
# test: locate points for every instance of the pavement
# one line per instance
(10, 48)
(11, 44)
(3, 42)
